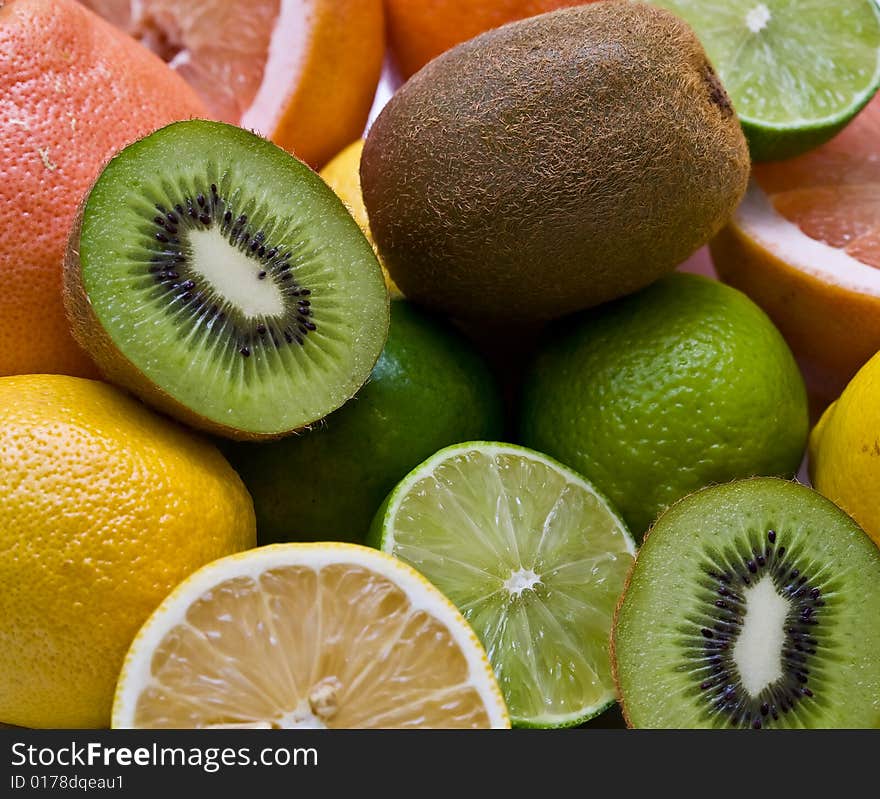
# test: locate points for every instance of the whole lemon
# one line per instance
(343, 175)
(104, 508)
(845, 449)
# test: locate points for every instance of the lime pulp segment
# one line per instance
(533, 556)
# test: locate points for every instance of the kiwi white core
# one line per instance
(758, 649)
(521, 580)
(757, 18)
(233, 275)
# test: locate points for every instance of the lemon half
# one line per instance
(307, 636)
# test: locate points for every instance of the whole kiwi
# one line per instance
(553, 164)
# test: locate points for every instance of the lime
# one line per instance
(797, 70)
(659, 394)
(428, 390)
(533, 556)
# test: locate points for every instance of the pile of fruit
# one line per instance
(438, 436)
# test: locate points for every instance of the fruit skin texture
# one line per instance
(845, 450)
(716, 512)
(420, 30)
(75, 90)
(654, 396)
(428, 390)
(104, 508)
(342, 174)
(553, 164)
(329, 106)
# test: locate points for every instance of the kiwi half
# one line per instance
(220, 279)
(751, 605)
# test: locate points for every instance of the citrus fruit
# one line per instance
(533, 556)
(654, 396)
(307, 636)
(796, 72)
(420, 30)
(751, 605)
(805, 245)
(429, 389)
(301, 73)
(845, 449)
(104, 508)
(66, 108)
(342, 174)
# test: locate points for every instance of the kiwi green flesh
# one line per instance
(752, 605)
(232, 278)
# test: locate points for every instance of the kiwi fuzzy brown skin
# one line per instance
(553, 164)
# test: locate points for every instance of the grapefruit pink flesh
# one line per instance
(833, 193)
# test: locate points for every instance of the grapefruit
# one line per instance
(301, 72)
(74, 91)
(420, 30)
(805, 245)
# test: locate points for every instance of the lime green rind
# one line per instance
(562, 723)
(382, 535)
(684, 384)
(802, 77)
(768, 143)
(429, 389)
(657, 693)
(275, 390)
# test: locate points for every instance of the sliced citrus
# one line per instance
(302, 72)
(805, 244)
(533, 556)
(797, 71)
(307, 636)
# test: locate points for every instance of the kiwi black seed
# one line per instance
(221, 280)
(752, 605)
(172, 271)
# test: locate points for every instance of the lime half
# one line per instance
(533, 556)
(796, 70)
